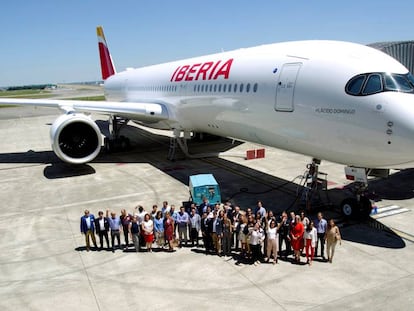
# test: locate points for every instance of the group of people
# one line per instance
(256, 233)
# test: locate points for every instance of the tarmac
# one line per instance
(44, 264)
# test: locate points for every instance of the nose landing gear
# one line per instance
(358, 205)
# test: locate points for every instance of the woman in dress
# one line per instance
(311, 236)
(296, 237)
(251, 221)
(243, 231)
(169, 230)
(332, 236)
(227, 235)
(148, 232)
(159, 229)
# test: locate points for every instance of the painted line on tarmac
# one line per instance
(94, 201)
(387, 208)
(62, 206)
(389, 211)
(404, 235)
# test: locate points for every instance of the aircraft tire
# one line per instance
(349, 207)
(125, 143)
(108, 145)
(364, 208)
(113, 145)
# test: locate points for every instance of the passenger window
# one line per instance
(215, 87)
(248, 87)
(373, 85)
(224, 87)
(235, 88)
(219, 88)
(255, 87)
(241, 88)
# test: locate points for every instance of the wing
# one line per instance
(145, 112)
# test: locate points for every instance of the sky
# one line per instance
(55, 41)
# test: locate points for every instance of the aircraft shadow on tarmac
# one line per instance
(372, 232)
(62, 170)
(54, 169)
(234, 179)
(398, 186)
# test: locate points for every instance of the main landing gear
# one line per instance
(116, 142)
(180, 139)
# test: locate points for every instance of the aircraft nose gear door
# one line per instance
(285, 89)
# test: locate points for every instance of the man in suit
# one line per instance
(205, 231)
(235, 219)
(87, 227)
(102, 229)
(203, 206)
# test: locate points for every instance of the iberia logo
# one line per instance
(203, 71)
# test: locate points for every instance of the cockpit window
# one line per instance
(390, 83)
(354, 86)
(372, 83)
(398, 83)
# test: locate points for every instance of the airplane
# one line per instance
(331, 100)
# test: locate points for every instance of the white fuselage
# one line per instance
(287, 95)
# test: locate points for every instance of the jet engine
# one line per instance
(76, 138)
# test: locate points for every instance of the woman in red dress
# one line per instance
(296, 237)
(148, 232)
(169, 230)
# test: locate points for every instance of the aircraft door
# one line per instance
(285, 89)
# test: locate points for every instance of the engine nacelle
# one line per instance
(76, 138)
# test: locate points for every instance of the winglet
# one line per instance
(107, 66)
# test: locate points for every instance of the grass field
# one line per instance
(90, 98)
(26, 94)
(35, 94)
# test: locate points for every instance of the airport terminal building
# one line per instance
(403, 51)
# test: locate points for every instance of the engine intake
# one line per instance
(76, 138)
